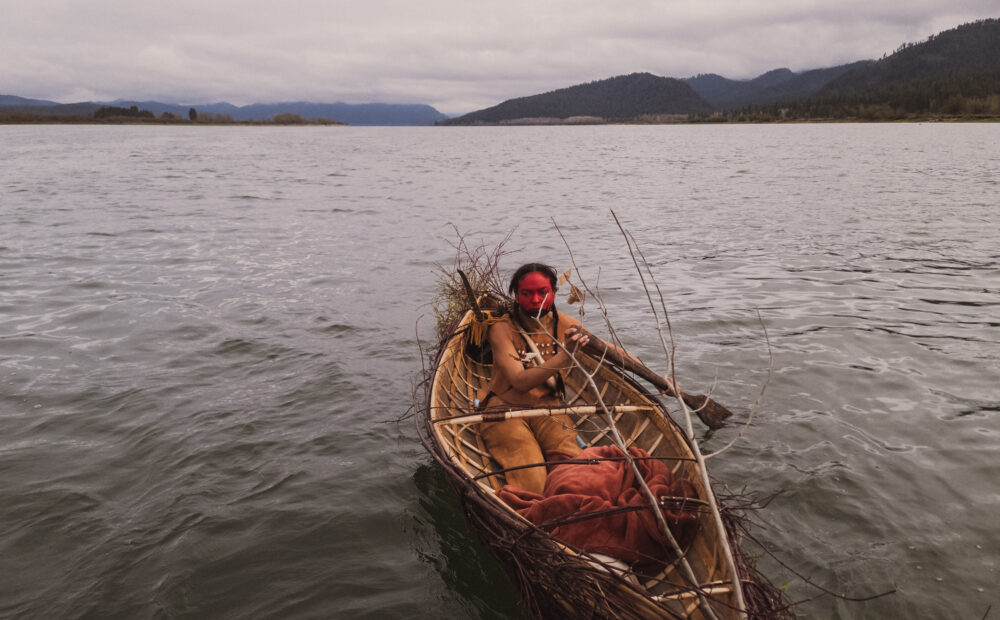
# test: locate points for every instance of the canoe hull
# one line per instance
(558, 581)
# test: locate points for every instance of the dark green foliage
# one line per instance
(954, 60)
(117, 112)
(954, 73)
(288, 118)
(619, 98)
(192, 114)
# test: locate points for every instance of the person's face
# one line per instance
(534, 293)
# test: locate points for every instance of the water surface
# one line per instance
(208, 334)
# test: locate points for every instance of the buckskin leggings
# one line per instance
(525, 441)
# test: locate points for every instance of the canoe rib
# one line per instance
(558, 581)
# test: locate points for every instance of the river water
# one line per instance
(207, 336)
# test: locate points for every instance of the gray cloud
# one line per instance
(456, 56)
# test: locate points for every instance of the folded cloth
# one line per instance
(575, 490)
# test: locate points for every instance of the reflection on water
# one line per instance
(458, 554)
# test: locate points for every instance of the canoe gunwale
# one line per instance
(533, 557)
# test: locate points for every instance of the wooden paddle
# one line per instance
(711, 413)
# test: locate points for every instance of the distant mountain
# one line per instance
(11, 100)
(714, 88)
(770, 87)
(47, 108)
(352, 114)
(619, 98)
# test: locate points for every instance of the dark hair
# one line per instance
(524, 270)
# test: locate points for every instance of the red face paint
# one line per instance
(534, 293)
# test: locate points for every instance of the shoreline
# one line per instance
(34, 119)
(20, 118)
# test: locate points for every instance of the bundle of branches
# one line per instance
(481, 265)
(536, 560)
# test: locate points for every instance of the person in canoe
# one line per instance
(523, 381)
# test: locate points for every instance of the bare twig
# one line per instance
(760, 397)
(711, 413)
(650, 496)
(684, 565)
(810, 582)
(668, 351)
(702, 468)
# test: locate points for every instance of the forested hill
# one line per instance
(965, 59)
(775, 85)
(952, 74)
(619, 98)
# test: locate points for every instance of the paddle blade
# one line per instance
(711, 413)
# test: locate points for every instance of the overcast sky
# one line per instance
(457, 56)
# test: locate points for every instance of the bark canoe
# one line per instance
(556, 579)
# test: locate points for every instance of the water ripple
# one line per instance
(206, 335)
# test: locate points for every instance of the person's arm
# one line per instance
(597, 344)
(597, 350)
(523, 379)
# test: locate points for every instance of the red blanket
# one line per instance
(634, 536)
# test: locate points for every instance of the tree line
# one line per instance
(910, 101)
(134, 114)
(115, 111)
(955, 73)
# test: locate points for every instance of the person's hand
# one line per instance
(576, 337)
